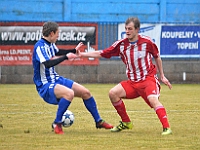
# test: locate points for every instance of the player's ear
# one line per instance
(138, 29)
(51, 33)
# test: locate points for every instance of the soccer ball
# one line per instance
(67, 118)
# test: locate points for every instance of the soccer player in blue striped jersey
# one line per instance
(53, 88)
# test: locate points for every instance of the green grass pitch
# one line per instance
(25, 121)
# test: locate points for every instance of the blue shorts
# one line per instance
(47, 90)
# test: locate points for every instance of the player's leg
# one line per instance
(151, 96)
(116, 94)
(65, 96)
(122, 90)
(62, 96)
(90, 104)
(161, 113)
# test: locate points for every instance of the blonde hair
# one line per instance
(135, 20)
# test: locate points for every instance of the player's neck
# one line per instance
(134, 39)
(46, 38)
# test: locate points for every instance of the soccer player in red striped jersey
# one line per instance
(136, 51)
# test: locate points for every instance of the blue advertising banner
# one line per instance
(180, 41)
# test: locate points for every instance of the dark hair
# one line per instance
(48, 27)
(135, 20)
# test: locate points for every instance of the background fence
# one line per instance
(100, 10)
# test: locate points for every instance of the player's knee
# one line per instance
(154, 102)
(69, 95)
(112, 94)
(86, 94)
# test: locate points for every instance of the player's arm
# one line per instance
(65, 51)
(113, 50)
(94, 54)
(64, 55)
(155, 53)
(56, 60)
(160, 69)
(74, 51)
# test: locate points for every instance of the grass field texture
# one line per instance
(25, 121)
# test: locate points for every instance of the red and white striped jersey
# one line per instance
(137, 57)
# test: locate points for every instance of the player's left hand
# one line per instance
(79, 46)
(166, 82)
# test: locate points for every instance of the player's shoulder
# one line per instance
(119, 42)
(145, 38)
(42, 43)
(39, 43)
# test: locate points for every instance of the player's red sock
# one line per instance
(162, 115)
(121, 110)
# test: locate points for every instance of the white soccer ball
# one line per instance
(68, 118)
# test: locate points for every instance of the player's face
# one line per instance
(131, 32)
(54, 36)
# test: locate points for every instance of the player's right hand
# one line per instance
(72, 56)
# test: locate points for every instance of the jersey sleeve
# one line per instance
(41, 54)
(153, 49)
(113, 50)
(44, 52)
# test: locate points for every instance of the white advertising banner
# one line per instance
(173, 41)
